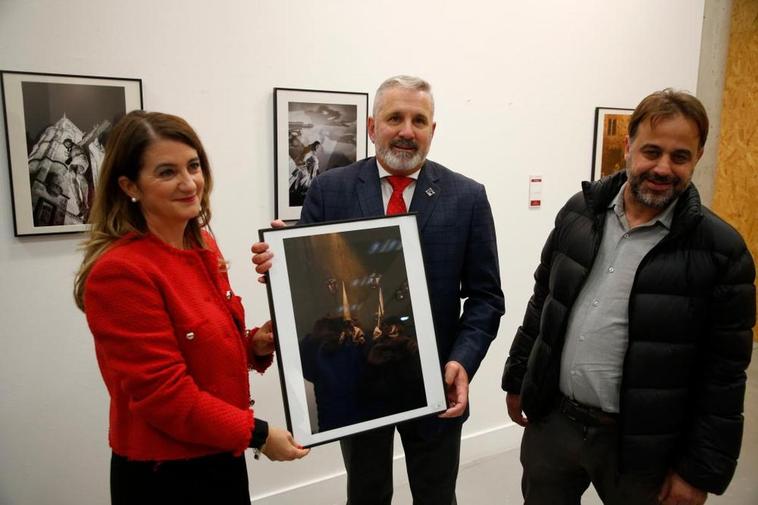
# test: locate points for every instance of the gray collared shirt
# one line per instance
(598, 327)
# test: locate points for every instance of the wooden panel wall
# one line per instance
(736, 185)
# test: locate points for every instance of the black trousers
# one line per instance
(217, 479)
(431, 462)
(562, 456)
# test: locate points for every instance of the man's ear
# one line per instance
(370, 126)
(128, 186)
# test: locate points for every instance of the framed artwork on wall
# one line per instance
(56, 127)
(608, 150)
(356, 345)
(314, 131)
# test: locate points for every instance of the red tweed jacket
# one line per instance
(172, 348)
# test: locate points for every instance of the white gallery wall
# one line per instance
(516, 85)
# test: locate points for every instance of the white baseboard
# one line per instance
(330, 489)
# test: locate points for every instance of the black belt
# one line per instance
(583, 414)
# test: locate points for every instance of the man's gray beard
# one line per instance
(400, 161)
(649, 199)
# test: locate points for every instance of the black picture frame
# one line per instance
(608, 142)
(55, 131)
(314, 131)
(356, 346)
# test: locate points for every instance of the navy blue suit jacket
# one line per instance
(458, 243)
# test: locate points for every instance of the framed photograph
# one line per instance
(56, 127)
(323, 130)
(356, 345)
(608, 149)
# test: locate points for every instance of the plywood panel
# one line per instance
(736, 186)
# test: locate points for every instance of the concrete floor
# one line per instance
(485, 481)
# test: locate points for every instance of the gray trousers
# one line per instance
(562, 457)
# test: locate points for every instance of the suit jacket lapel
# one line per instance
(426, 194)
(368, 190)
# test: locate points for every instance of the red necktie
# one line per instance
(396, 204)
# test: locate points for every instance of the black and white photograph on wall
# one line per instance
(356, 342)
(611, 126)
(315, 131)
(56, 128)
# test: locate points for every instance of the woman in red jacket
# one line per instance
(169, 332)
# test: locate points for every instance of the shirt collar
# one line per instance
(665, 218)
(383, 172)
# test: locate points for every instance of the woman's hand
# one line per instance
(280, 446)
(262, 341)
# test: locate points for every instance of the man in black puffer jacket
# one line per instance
(630, 363)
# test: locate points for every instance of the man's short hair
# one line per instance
(667, 103)
(402, 81)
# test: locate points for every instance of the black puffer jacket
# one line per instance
(691, 311)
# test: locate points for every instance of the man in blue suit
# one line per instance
(460, 255)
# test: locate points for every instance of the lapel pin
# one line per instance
(429, 191)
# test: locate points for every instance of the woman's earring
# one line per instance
(134, 199)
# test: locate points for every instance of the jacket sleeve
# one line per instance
(255, 362)
(714, 437)
(258, 363)
(137, 348)
(526, 335)
(480, 286)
